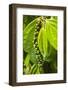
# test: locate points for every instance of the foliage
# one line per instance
(46, 43)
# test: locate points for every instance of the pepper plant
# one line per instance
(39, 44)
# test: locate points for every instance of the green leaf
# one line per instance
(27, 59)
(33, 56)
(38, 70)
(52, 54)
(27, 19)
(42, 41)
(53, 66)
(28, 36)
(51, 28)
(27, 70)
(34, 69)
(27, 64)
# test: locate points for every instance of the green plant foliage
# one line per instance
(28, 36)
(42, 41)
(51, 27)
(40, 44)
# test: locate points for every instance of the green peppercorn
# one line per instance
(35, 42)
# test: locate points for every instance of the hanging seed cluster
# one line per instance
(39, 57)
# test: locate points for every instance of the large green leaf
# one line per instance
(29, 35)
(48, 36)
(42, 41)
(51, 28)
